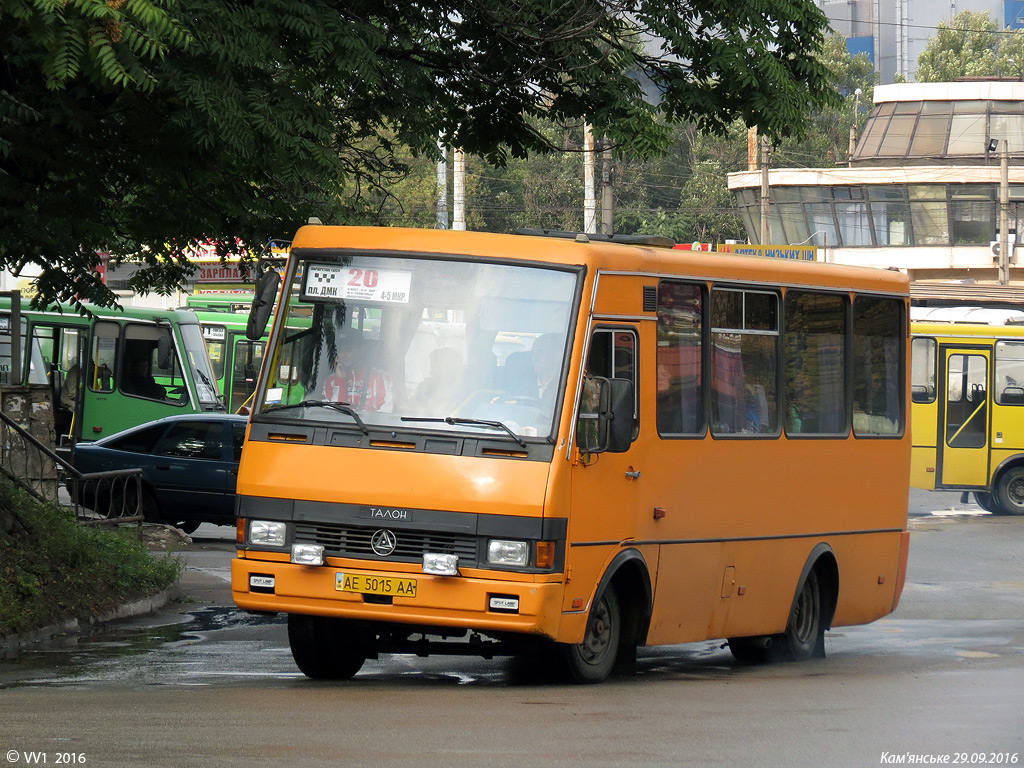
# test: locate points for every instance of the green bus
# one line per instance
(236, 359)
(113, 370)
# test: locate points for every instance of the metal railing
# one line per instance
(96, 497)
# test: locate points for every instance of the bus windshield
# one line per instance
(198, 360)
(420, 343)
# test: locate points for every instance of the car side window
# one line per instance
(192, 440)
(139, 441)
(237, 438)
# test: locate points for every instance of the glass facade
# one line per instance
(869, 215)
(943, 190)
(934, 132)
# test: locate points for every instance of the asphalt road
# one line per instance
(941, 681)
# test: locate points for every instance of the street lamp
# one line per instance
(855, 126)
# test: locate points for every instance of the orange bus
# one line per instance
(536, 444)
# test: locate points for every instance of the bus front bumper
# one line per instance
(460, 602)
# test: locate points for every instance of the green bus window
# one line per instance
(878, 328)
(1009, 384)
(246, 370)
(744, 358)
(103, 356)
(680, 399)
(215, 337)
(922, 370)
(144, 373)
(41, 359)
(815, 363)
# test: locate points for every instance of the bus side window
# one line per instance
(103, 356)
(1009, 378)
(878, 333)
(744, 362)
(680, 399)
(922, 369)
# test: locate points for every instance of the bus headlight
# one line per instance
(267, 533)
(502, 552)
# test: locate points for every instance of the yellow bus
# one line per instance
(968, 404)
(571, 446)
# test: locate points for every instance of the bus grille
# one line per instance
(354, 541)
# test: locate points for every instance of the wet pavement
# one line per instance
(948, 616)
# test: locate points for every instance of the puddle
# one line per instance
(80, 655)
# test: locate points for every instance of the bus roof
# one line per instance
(969, 315)
(599, 254)
(70, 312)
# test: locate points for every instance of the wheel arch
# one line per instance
(823, 560)
(1017, 460)
(629, 575)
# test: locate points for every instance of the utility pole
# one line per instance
(764, 189)
(607, 202)
(589, 191)
(442, 188)
(459, 191)
(1004, 210)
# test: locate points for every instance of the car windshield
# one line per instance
(372, 341)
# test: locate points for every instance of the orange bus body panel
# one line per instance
(723, 526)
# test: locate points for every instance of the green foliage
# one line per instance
(53, 569)
(972, 46)
(139, 127)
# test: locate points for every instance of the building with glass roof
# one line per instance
(921, 191)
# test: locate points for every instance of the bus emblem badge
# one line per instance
(383, 542)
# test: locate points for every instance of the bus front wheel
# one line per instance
(1009, 492)
(593, 660)
(324, 648)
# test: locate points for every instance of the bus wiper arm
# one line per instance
(471, 422)
(345, 408)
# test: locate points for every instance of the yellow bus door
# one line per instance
(964, 424)
(606, 486)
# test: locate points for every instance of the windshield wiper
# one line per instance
(345, 408)
(471, 422)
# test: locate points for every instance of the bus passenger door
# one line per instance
(964, 423)
(605, 486)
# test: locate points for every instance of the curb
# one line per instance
(129, 610)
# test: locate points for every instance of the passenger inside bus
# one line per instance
(140, 382)
(356, 382)
(534, 374)
(441, 391)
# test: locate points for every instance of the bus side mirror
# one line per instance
(164, 352)
(606, 416)
(262, 304)
(619, 415)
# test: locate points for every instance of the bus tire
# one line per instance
(987, 501)
(1009, 492)
(322, 648)
(594, 659)
(804, 637)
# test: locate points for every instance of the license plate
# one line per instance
(375, 585)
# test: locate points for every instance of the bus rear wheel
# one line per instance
(1009, 492)
(805, 631)
(593, 660)
(324, 648)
